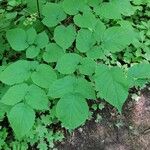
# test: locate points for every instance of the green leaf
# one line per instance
(87, 66)
(116, 7)
(42, 40)
(70, 84)
(36, 98)
(112, 85)
(104, 11)
(140, 2)
(84, 88)
(124, 7)
(72, 110)
(84, 40)
(99, 31)
(53, 14)
(15, 94)
(74, 6)
(61, 87)
(44, 76)
(16, 72)
(94, 3)
(115, 39)
(32, 52)
(87, 20)
(21, 118)
(17, 39)
(31, 35)
(52, 53)
(3, 89)
(96, 53)
(32, 6)
(68, 63)
(64, 36)
(140, 71)
(4, 108)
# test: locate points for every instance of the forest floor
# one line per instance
(129, 131)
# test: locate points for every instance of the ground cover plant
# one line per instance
(59, 56)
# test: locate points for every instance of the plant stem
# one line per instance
(38, 8)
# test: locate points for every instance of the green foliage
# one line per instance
(36, 98)
(41, 40)
(32, 52)
(16, 72)
(68, 63)
(116, 39)
(43, 76)
(73, 7)
(112, 85)
(116, 7)
(55, 56)
(71, 84)
(140, 71)
(53, 14)
(31, 35)
(21, 118)
(87, 20)
(139, 74)
(52, 53)
(15, 94)
(69, 110)
(64, 36)
(61, 87)
(85, 40)
(87, 66)
(17, 39)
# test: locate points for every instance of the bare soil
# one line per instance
(133, 132)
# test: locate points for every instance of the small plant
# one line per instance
(68, 53)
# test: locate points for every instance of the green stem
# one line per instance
(38, 8)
